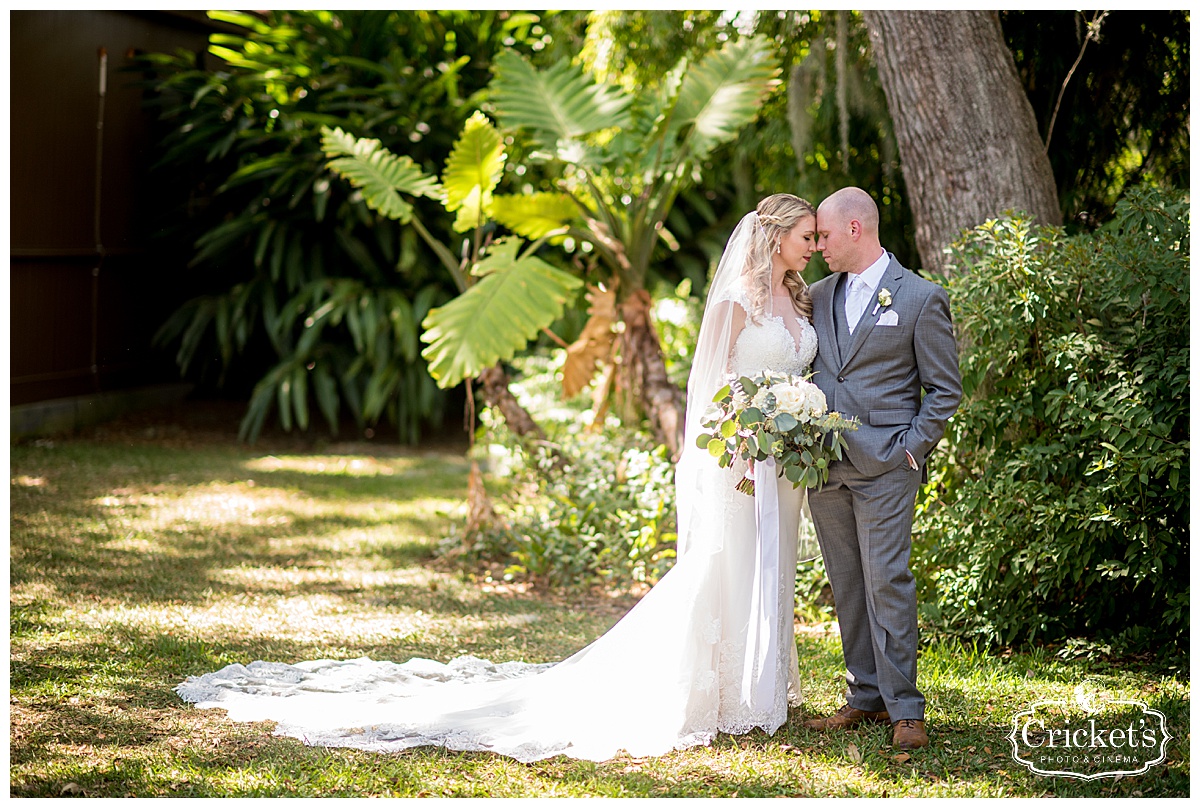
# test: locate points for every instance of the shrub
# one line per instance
(606, 515)
(1065, 484)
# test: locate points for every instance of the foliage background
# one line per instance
(1065, 482)
(279, 242)
(1074, 370)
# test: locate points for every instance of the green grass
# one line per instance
(135, 563)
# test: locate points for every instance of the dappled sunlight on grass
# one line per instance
(307, 619)
(195, 509)
(351, 466)
(132, 568)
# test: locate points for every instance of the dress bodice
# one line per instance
(769, 345)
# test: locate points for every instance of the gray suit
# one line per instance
(864, 514)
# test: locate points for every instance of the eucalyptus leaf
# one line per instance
(785, 422)
(751, 417)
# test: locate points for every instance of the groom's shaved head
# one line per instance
(848, 230)
(852, 203)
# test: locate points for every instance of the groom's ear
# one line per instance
(856, 229)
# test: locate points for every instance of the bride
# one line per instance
(711, 648)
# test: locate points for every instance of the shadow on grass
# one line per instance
(127, 732)
(137, 714)
(123, 664)
(102, 523)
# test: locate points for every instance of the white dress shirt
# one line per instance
(858, 295)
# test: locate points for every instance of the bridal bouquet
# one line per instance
(775, 415)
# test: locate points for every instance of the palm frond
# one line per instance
(383, 177)
(722, 93)
(558, 105)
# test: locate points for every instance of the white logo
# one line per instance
(1089, 738)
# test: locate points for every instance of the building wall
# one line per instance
(89, 286)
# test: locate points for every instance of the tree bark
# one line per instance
(498, 396)
(968, 139)
(644, 367)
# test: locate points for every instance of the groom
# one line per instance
(884, 338)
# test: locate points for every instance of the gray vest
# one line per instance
(841, 328)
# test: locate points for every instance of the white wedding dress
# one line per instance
(711, 648)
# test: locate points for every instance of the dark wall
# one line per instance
(88, 285)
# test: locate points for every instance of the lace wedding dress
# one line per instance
(709, 649)
(672, 673)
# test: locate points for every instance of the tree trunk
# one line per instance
(646, 371)
(968, 139)
(480, 513)
(498, 396)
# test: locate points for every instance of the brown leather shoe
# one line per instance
(909, 733)
(845, 718)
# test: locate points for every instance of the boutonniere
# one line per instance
(885, 300)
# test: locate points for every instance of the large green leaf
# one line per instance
(472, 172)
(557, 105)
(383, 177)
(722, 93)
(534, 215)
(492, 320)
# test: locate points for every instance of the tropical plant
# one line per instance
(623, 158)
(1065, 485)
(306, 289)
(824, 127)
(505, 298)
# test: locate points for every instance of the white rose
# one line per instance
(788, 398)
(814, 400)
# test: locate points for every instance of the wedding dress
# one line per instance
(711, 647)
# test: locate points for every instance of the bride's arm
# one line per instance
(737, 323)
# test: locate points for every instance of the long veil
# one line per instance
(662, 678)
(700, 486)
(738, 291)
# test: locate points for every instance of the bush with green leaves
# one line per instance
(608, 515)
(1064, 493)
(600, 510)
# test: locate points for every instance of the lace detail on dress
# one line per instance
(736, 717)
(770, 346)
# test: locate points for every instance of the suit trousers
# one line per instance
(864, 527)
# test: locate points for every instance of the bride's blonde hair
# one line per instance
(777, 215)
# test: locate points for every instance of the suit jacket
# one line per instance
(880, 373)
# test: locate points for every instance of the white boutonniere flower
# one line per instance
(885, 300)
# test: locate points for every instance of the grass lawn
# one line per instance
(142, 555)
